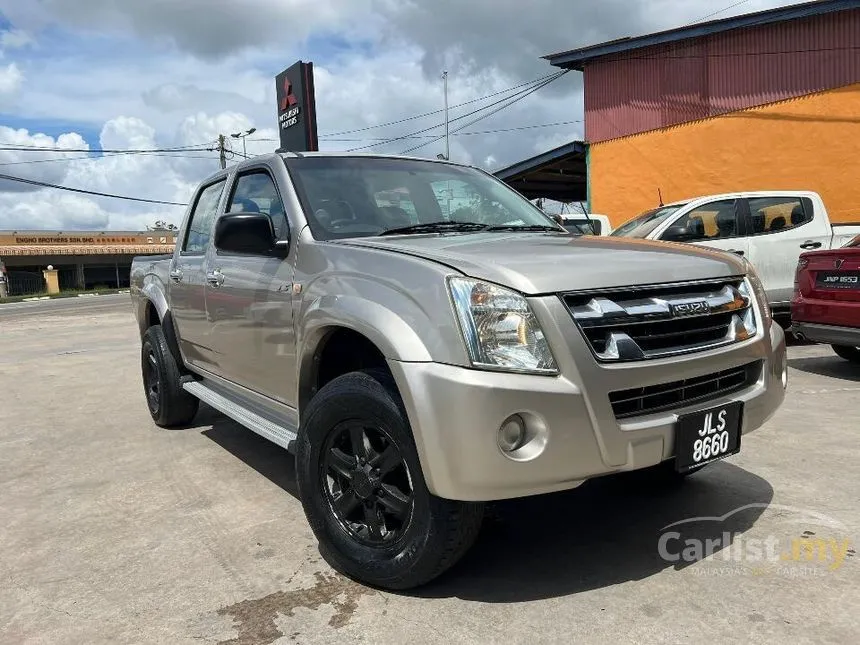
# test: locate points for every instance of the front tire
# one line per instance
(848, 353)
(169, 405)
(364, 493)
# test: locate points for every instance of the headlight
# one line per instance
(759, 292)
(500, 329)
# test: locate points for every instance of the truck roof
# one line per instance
(748, 193)
(271, 156)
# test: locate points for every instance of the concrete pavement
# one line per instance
(116, 531)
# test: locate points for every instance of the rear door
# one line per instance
(781, 228)
(187, 278)
(249, 299)
(719, 224)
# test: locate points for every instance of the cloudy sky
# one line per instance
(129, 75)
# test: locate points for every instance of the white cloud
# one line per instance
(15, 39)
(10, 79)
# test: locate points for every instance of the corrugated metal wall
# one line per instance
(663, 86)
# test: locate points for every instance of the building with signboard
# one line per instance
(762, 101)
(82, 259)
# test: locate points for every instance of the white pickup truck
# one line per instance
(770, 228)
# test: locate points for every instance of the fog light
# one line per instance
(512, 433)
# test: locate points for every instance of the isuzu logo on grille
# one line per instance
(695, 308)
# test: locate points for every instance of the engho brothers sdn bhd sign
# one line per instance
(297, 116)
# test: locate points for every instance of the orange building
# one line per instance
(763, 101)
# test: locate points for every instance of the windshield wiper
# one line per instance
(436, 227)
(524, 227)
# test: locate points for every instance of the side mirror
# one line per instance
(558, 219)
(678, 234)
(246, 233)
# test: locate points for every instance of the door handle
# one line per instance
(809, 244)
(215, 278)
(176, 275)
(736, 251)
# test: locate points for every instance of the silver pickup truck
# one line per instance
(426, 340)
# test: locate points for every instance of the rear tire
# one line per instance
(848, 353)
(169, 405)
(364, 493)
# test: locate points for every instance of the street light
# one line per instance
(242, 135)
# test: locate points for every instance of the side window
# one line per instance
(711, 221)
(774, 214)
(200, 226)
(255, 192)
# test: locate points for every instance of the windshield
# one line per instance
(365, 196)
(643, 224)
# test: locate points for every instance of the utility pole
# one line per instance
(222, 150)
(447, 144)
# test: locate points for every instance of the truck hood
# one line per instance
(539, 263)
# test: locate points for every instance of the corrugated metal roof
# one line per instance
(560, 174)
(667, 85)
(579, 58)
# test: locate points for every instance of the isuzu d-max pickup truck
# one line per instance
(426, 340)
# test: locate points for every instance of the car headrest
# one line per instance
(726, 222)
(797, 215)
(777, 223)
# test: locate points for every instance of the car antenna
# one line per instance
(660, 195)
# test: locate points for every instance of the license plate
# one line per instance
(708, 435)
(838, 279)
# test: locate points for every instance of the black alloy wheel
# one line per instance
(152, 381)
(367, 484)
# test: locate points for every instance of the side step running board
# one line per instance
(251, 420)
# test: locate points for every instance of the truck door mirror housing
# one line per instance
(678, 233)
(245, 233)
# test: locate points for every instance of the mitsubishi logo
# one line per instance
(289, 99)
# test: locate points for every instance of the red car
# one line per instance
(826, 303)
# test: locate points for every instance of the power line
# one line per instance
(466, 134)
(510, 101)
(717, 13)
(431, 113)
(515, 97)
(88, 158)
(15, 148)
(44, 184)
(26, 147)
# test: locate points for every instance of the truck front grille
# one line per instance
(639, 323)
(676, 394)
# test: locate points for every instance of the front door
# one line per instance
(718, 224)
(781, 228)
(250, 300)
(187, 279)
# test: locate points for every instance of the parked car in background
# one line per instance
(421, 365)
(590, 224)
(769, 228)
(826, 304)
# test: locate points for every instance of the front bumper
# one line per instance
(456, 412)
(828, 334)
